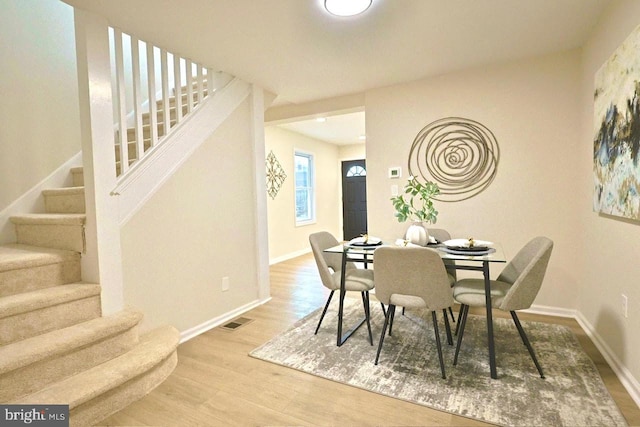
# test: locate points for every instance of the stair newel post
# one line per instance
(102, 262)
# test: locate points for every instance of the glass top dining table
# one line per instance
(458, 261)
(496, 254)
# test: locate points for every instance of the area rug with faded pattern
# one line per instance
(573, 393)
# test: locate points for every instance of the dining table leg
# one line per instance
(487, 292)
(344, 337)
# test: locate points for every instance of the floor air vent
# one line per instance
(236, 324)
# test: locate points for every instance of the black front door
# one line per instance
(354, 198)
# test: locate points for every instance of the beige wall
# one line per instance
(39, 87)
(533, 109)
(352, 152)
(541, 111)
(198, 228)
(609, 246)
(285, 238)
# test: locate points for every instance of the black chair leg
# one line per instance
(326, 306)
(453, 318)
(459, 318)
(390, 311)
(527, 343)
(384, 311)
(447, 327)
(461, 324)
(403, 310)
(367, 313)
(435, 330)
(393, 315)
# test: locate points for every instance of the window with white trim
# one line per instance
(304, 182)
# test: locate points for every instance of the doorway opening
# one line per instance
(354, 198)
(336, 139)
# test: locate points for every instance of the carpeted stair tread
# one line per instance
(49, 219)
(154, 347)
(51, 344)
(35, 300)
(16, 256)
(30, 364)
(63, 190)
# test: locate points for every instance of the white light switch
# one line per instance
(394, 190)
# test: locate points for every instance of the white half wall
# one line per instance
(197, 229)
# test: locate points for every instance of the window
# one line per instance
(356, 171)
(305, 197)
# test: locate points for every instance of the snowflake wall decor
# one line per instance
(275, 175)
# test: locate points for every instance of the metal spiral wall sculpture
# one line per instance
(458, 154)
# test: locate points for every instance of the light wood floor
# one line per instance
(216, 383)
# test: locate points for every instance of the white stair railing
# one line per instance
(153, 92)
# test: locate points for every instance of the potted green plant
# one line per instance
(415, 204)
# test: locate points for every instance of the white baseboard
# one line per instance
(217, 321)
(551, 311)
(626, 378)
(289, 256)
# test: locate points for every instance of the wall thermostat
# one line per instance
(395, 172)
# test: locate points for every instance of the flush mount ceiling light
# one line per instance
(346, 7)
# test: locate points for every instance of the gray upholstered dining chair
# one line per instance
(441, 235)
(329, 267)
(515, 289)
(415, 278)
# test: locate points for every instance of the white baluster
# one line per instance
(137, 97)
(177, 89)
(189, 75)
(165, 90)
(121, 102)
(194, 74)
(153, 107)
(200, 93)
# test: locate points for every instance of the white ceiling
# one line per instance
(342, 129)
(298, 51)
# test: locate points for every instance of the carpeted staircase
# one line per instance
(55, 345)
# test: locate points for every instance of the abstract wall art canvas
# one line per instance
(616, 145)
